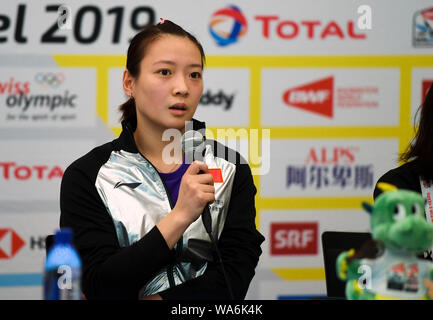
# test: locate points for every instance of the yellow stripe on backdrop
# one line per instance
(293, 274)
(102, 64)
(403, 132)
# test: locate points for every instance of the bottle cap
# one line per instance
(64, 236)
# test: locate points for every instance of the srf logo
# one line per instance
(294, 238)
(315, 97)
(10, 243)
(228, 25)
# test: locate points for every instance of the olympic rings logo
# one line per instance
(49, 79)
(239, 29)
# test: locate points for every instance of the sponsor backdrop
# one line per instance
(319, 96)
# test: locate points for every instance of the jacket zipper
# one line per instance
(179, 244)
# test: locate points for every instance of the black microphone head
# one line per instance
(192, 145)
(191, 140)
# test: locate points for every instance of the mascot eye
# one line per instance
(416, 209)
(399, 212)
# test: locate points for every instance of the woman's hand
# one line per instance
(195, 192)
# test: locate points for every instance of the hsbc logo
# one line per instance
(294, 238)
(10, 243)
(315, 97)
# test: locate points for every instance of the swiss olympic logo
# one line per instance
(49, 79)
(228, 25)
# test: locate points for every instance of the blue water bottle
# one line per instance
(62, 276)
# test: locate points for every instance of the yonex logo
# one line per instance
(228, 33)
(132, 185)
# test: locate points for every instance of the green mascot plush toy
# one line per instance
(400, 233)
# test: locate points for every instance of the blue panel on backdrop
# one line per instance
(20, 279)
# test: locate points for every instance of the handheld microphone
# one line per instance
(193, 146)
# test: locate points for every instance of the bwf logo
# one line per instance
(315, 97)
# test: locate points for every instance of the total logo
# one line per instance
(229, 24)
(312, 29)
(12, 170)
(294, 238)
(10, 243)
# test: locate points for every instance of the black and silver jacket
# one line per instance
(113, 197)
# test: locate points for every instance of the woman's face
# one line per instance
(169, 87)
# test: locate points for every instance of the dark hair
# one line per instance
(371, 249)
(421, 147)
(137, 50)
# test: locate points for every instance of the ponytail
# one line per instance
(128, 109)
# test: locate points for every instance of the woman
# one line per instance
(418, 156)
(135, 215)
(416, 173)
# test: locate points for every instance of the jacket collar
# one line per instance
(126, 139)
